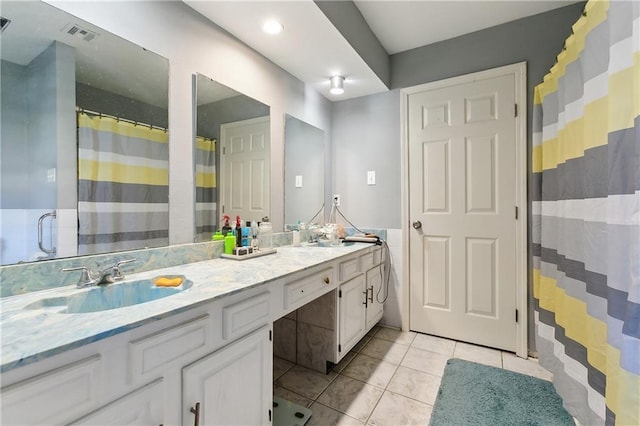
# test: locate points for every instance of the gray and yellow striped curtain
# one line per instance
(206, 188)
(586, 216)
(123, 185)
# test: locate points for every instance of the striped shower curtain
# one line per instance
(586, 216)
(123, 185)
(206, 191)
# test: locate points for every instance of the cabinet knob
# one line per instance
(196, 411)
(326, 280)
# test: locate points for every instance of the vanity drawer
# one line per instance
(367, 261)
(55, 397)
(300, 292)
(149, 355)
(243, 317)
(349, 269)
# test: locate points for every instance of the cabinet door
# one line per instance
(352, 313)
(232, 386)
(374, 292)
(141, 407)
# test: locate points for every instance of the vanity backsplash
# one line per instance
(36, 276)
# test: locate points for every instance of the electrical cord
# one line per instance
(387, 266)
(386, 252)
(316, 215)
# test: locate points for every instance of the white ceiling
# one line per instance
(312, 49)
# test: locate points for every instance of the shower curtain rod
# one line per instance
(126, 120)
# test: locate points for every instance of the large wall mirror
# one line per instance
(84, 143)
(303, 172)
(232, 137)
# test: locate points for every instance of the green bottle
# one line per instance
(229, 243)
(217, 236)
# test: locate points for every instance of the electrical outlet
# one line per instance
(336, 200)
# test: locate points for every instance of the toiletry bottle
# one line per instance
(217, 236)
(229, 243)
(245, 236)
(238, 232)
(254, 234)
(265, 236)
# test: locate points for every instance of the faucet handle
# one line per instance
(116, 273)
(121, 262)
(85, 277)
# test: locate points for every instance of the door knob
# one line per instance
(417, 224)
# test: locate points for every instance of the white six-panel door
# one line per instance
(462, 201)
(245, 175)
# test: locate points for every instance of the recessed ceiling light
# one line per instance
(272, 27)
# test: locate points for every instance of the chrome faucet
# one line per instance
(88, 278)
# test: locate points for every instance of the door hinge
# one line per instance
(339, 293)
(224, 150)
(339, 348)
(515, 110)
(269, 415)
(516, 315)
(270, 335)
(516, 212)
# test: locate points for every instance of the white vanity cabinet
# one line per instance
(209, 363)
(353, 320)
(361, 277)
(232, 385)
(136, 377)
(142, 407)
(375, 294)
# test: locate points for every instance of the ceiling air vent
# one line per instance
(4, 23)
(79, 32)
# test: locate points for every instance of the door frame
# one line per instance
(519, 71)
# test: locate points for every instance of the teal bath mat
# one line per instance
(476, 394)
(286, 413)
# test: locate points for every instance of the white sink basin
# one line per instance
(110, 296)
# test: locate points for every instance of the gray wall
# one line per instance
(536, 39)
(99, 100)
(211, 116)
(38, 127)
(13, 143)
(304, 156)
(67, 165)
(366, 131)
(366, 136)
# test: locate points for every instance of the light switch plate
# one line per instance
(371, 177)
(299, 181)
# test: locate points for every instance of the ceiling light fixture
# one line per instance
(337, 85)
(272, 27)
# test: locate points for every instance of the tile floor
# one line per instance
(389, 378)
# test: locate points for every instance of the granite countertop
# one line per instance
(30, 335)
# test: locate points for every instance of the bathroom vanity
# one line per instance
(203, 355)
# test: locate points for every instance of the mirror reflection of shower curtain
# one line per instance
(123, 185)
(206, 188)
